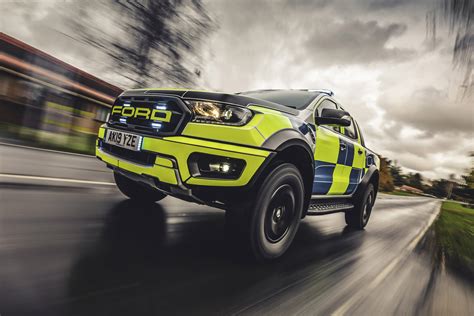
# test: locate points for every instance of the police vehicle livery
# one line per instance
(268, 157)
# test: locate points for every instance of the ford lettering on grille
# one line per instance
(155, 115)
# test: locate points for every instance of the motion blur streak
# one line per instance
(70, 248)
(46, 102)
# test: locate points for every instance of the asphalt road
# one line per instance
(72, 247)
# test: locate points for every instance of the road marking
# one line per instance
(47, 150)
(342, 310)
(18, 176)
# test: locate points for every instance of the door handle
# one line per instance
(360, 152)
(343, 147)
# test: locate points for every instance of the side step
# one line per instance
(327, 207)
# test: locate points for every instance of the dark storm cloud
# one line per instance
(372, 53)
(354, 42)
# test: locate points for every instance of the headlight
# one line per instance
(217, 113)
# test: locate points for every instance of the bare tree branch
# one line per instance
(150, 41)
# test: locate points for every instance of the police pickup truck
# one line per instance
(268, 157)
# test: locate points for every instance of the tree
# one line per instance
(397, 175)
(439, 188)
(469, 179)
(415, 180)
(385, 180)
(148, 41)
(459, 15)
(465, 192)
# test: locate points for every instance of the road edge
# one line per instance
(347, 305)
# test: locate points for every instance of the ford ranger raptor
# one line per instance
(267, 157)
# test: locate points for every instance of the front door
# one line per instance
(354, 166)
(329, 157)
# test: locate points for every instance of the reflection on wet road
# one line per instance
(89, 251)
(81, 248)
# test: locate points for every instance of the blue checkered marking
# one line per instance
(350, 154)
(354, 179)
(346, 155)
(323, 173)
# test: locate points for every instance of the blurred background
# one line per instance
(403, 68)
(48, 103)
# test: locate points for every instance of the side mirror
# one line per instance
(333, 117)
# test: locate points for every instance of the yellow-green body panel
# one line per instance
(111, 160)
(327, 146)
(254, 133)
(359, 159)
(180, 148)
(271, 121)
(165, 162)
(247, 135)
(340, 180)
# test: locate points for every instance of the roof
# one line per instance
(325, 91)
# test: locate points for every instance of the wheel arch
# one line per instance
(372, 176)
(292, 147)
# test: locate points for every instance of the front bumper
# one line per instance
(170, 165)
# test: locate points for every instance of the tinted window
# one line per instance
(350, 130)
(326, 104)
(359, 132)
(298, 99)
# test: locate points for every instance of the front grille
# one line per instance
(169, 116)
(139, 157)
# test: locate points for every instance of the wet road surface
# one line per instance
(83, 249)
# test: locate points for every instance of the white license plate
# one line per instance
(122, 139)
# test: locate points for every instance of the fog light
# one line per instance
(211, 166)
(220, 167)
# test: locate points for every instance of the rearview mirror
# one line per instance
(333, 117)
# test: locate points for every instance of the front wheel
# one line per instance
(276, 212)
(358, 217)
(135, 190)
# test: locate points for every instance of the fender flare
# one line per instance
(286, 138)
(368, 178)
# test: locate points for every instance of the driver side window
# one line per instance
(350, 130)
(327, 104)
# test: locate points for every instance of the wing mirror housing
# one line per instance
(333, 117)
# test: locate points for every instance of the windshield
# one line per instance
(297, 99)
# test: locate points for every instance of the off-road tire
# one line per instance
(269, 222)
(359, 216)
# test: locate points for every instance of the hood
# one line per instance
(213, 96)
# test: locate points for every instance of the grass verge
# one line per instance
(455, 237)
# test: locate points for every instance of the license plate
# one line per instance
(122, 139)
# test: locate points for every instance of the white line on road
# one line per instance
(342, 310)
(18, 176)
(47, 150)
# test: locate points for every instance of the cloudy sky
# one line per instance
(373, 54)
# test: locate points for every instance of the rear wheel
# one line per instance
(135, 190)
(359, 216)
(270, 222)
